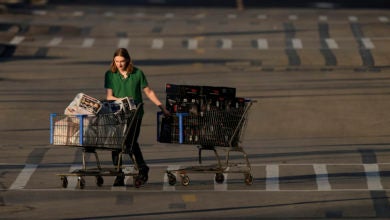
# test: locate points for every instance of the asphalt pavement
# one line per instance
(316, 139)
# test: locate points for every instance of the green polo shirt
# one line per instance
(132, 86)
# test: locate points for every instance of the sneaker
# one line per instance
(143, 173)
(119, 181)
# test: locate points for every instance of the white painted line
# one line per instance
(323, 18)
(39, 12)
(261, 16)
(123, 42)
(192, 44)
(88, 42)
(166, 186)
(353, 19)
(368, 43)
(373, 176)
(292, 17)
(23, 177)
(221, 186)
(108, 14)
(157, 43)
(200, 16)
(55, 42)
(272, 180)
(227, 44)
(322, 177)
(232, 16)
(140, 14)
(297, 43)
(17, 40)
(383, 19)
(72, 180)
(262, 44)
(332, 44)
(78, 13)
(169, 15)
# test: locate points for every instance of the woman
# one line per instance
(123, 79)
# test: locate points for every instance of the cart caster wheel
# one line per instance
(99, 181)
(81, 182)
(64, 182)
(219, 177)
(185, 180)
(248, 179)
(137, 182)
(171, 179)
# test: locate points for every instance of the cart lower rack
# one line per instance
(93, 133)
(210, 130)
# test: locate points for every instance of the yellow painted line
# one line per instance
(189, 197)
(200, 50)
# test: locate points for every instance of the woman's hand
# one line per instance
(165, 111)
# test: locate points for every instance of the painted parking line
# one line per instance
(323, 18)
(88, 42)
(108, 14)
(157, 43)
(78, 13)
(39, 12)
(262, 44)
(200, 16)
(72, 180)
(232, 16)
(293, 17)
(383, 19)
(140, 14)
(292, 54)
(367, 43)
(24, 176)
(331, 43)
(353, 18)
(123, 42)
(169, 15)
(365, 54)
(226, 44)
(17, 40)
(192, 44)
(373, 176)
(322, 177)
(272, 178)
(297, 43)
(55, 42)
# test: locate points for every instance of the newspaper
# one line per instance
(123, 105)
(83, 104)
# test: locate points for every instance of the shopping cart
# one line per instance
(104, 132)
(210, 130)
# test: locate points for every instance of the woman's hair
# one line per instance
(123, 53)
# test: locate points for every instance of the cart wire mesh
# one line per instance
(106, 131)
(222, 128)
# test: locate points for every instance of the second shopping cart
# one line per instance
(211, 121)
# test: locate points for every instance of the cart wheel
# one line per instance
(248, 179)
(99, 180)
(185, 180)
(171, 179)
(64, 181)
(137, 181)
(219, 177)
(80, 182)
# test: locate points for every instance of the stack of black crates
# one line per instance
(205, 115)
